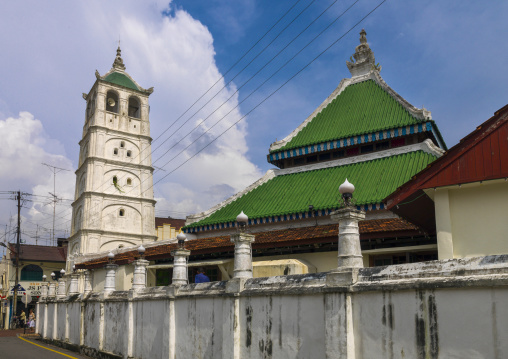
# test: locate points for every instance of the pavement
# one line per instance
(14, 347)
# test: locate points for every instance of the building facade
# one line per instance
(114, 204)
(463, 196)
(365, 132)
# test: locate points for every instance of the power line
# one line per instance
(276, 90)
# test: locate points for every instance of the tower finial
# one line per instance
(364, 60)
(118, 64)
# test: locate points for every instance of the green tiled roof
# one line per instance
(118, 78)
(293, 193)
(360, 108)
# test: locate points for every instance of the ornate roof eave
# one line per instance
(420, 113)
(425, 146)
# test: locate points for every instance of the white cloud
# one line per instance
(24, 147)
(175, 54)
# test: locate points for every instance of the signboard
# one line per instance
(26, 287)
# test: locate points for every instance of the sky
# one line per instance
(230, 77)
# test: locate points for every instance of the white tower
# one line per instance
(114, 205)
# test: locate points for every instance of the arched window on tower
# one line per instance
(112, 102)
(121, 213)
(129, 153)
(31, 272)
(122, 144)
(129, 182)
(115, 151)
(134, 107)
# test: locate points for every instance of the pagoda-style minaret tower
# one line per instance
(114, 205)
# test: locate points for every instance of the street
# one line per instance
(12, 347)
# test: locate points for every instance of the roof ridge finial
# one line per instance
(118, 63)
(364, 60)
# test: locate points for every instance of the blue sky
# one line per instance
(449, 56)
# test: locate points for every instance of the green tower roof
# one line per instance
(120, 79)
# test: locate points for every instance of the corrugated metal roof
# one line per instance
(361, 108)
(270, 239)
(481, 155)
(41, 253)
(293, 193)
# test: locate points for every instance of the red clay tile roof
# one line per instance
(174, 222)
(41, 253)
(270, 239)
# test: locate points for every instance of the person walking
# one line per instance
(201, 276)
(22, 318)
(31, 320)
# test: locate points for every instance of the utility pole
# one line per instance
(16, 280)
(55, 197)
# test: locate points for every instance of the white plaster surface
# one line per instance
(115, 326)
(199, 328)
(151, 329)
(439, 309)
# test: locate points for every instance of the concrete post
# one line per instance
(88, 282)
(350, 252)
(180, 273)
(73, 287)
(44, 290)
(243, 255)
(110, 282)
(52, 289)
(139, 278)
(61, 288)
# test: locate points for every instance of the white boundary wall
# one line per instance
(441, 309)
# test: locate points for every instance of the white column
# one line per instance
(73, 287)
(443, 224)
(139, 278)
(243, 255)
(180, 273)
(44, 290)
(52, 289)
(88, 282)
(350, 252)
(110, 282)
(61, 288)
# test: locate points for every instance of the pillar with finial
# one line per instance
(111, 267)
(73, 287)
(139, 278)
(350, 252)
(243, 248)
(88, 282)
(61, 285)
(52, 286)
(180, 255)
(44, 288)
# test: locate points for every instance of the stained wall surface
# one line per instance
(439, 309)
